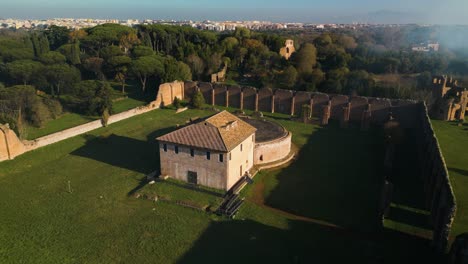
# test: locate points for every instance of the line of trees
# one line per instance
(43, 72)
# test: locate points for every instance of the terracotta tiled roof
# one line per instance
(233, 130)
(221, 132)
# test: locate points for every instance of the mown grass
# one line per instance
(67, 120)
(453, 140)
(72, 202)
(132, 98)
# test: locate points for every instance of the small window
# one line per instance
(241, 170)
(241, 147)
(221, 158)
(208, 155)
(165, 147)
(261, 157)
(192, 152)
(176, 149)
(230, 156)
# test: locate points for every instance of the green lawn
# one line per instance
(72, 202)
(134, 98)
(67, 120)
(454, 143)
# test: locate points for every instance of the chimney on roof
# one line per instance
(230, 125)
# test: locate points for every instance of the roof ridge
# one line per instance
(222, 138)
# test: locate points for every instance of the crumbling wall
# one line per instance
(337, 104)
(300, 99)
(234, 96)
(206, 89)
(250, 94)
(440, 197)
(264, 100)
(358, 106)
(168, 91)
(220, 94)
(189, 88)
(10, 145)
(406, 112)
(380, 109)
(283, 99)
(320, 100)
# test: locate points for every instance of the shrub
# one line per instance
(177, 104)
(197, 101)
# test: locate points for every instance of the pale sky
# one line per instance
(340, 11)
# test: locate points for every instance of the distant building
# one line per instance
(430, 47)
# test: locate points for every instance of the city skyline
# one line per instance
(333, 11)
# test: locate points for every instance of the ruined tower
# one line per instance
(451, 101)
(288, 49)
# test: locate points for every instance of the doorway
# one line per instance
(192, 177)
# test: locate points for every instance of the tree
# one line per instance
(23, 99)
(289, 77)
(197, 101)
(141, 51)
(57, 36)
(94, 65)
(61, 76)
(306, 59)
(110, 51)
(177, 104)
(119, 65)
(128, 40)
(23, 70)
(176, 70)
(145, 67)
(52, 57)
(40, 44)
(71, 52)
(197, 65)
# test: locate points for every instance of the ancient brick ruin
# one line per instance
(365, 111)
(10, 145)
(451, 100)
(219, 76)
(288, 49)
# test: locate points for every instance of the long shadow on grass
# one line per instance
(124, 152)
(336, 178)
(119, 151)
(251, 242)
(459, 171)
(408, 193)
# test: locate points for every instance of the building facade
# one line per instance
(215, 152)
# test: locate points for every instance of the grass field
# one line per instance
(134, 98)
(454, 143)
(72, 202)
(67, 120)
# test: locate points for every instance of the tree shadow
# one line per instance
(459, 171)
(248, 241)
(336, 178)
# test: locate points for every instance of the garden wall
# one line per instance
(290, 103)
(440, 198)
(11, 146)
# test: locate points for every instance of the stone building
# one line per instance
(288, 49)
(451, 100)
(215, 152)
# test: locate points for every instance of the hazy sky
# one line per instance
(395, 11)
